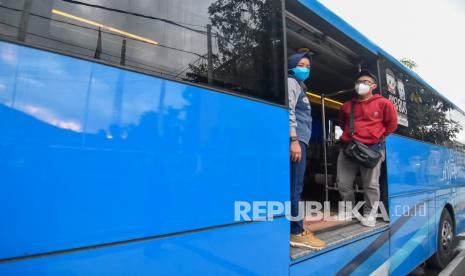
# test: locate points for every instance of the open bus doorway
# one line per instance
(334, 67)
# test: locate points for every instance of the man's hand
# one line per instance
(296, 151)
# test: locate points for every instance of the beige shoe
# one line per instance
(307, 240)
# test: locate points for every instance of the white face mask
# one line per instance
(362, 88)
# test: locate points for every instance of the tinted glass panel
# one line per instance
(457, 118)
(423, 114)
(394, 84)
(436, 125)
(10, 16)
(230, 44)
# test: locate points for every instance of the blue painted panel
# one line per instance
(91, 154)
(420, 172)
(413, 166)
(432, 224)
(459, 209)
(252, 249)
(358, 258)
(410, 232)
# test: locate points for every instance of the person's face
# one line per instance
(368, 81)
(304, 63)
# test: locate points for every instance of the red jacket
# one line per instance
(375, 119)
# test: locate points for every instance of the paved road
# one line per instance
(428, 271)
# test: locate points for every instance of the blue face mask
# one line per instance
(301, 73)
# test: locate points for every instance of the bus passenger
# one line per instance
(300, 126)
(375, 119)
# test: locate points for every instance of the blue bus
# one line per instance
(129, 130)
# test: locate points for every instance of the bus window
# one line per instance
(403, 92)
(436, 124)
(191, 41)
(457, 125)
(423, 114)
(10, 13)
(338, 133)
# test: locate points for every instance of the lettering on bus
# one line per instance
(453, 166)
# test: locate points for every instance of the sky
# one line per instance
(430, 32)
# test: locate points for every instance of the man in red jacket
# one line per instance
(375, 119)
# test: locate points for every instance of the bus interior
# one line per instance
(335, 62)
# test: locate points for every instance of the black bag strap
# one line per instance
(352, 120)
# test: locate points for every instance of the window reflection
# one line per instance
(436, 124)
(457, 118)
(235, 45)
(423, 114)
(10, 16)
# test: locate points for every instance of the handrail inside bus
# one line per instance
(315, 98)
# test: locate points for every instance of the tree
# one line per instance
(247, 41)
(409, 63)
(429, 114)
(429, 119)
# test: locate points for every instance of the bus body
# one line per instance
(129, 129)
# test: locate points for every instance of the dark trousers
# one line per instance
(347, 171)
(297, 185)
